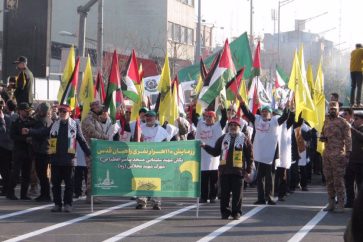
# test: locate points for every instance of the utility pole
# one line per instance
(100, 36)
(83, 11)
(251, 24)
(198, 34)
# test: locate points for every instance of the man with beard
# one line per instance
(92, 128)
(338, 145)
(64, 134)
(236, 158)
(40, 142)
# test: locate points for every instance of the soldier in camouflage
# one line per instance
(338, 144)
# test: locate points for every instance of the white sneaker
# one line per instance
(67, 208)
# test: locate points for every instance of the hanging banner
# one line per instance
(165, 169)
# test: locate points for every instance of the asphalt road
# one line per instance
(299, 218)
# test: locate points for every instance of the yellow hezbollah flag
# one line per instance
(164, 88)
(310, 79)
(303, 101)
(67, 72)
(86, 92)
(319, 101)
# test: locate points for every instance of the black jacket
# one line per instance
(21, 143)
(356, 155)
(40, 135)
(24, 87)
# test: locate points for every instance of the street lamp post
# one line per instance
(198, 34)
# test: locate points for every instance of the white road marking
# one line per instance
(309, 226)
(230, 225)
(148, 224)
(29, 210)
(66, 223)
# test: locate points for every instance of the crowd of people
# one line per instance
(270, 150)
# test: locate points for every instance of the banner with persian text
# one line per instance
(163, 169)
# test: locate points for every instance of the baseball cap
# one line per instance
(21, 59)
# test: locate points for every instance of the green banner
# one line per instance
(165, 169)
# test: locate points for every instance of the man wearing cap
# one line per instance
(21, 153)
(265, 147)
(24, 82)
(92, 128)
(39, 133)
(354, 171)
(338, 145)
(151, 132)
(235, 151)
(64, 135)
(208, 131)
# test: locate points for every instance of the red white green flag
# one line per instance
(69, 94)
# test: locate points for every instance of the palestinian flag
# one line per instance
(233, 85)
(113, 94)
(256, 71)
(132, 77)
(221, 72)
(69, 94)
(281, 77)
(99, 92)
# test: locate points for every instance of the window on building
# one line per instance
(180, 34)
(190, 36)
(177, 33)
(170, 30)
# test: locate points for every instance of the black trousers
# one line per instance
(231, 183)
(294, 176)
(5, 168)
(303, 176)
(357, 78)
(22, 162)
(80, 174)
(209, 181)
(353, 172)
(264, 182)
(280, 182)
(41, 167)
(59, 174)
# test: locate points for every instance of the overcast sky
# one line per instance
(234, 17)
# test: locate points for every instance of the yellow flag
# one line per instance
(319, 101)
(199, 86)
(310, 79)
(67, 72)
(164, 88)
(174, 107)
(86, 91)
(303, 101)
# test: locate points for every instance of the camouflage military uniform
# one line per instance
(91, 128)
(337, 132)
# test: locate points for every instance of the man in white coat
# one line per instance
(265, 149)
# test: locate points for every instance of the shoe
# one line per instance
(331, 206)
(225, 216)
(56, 209)
(25, 198)
(281, 199)
(270, 202)
(12, 197)
(305, 189)
(236, 216)
(76, 196)
(67, 208)
(212, 201)
(339, 210)
(156, 207)
(140, 206)
(258, 202)
(42, 198)
(202, 200)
